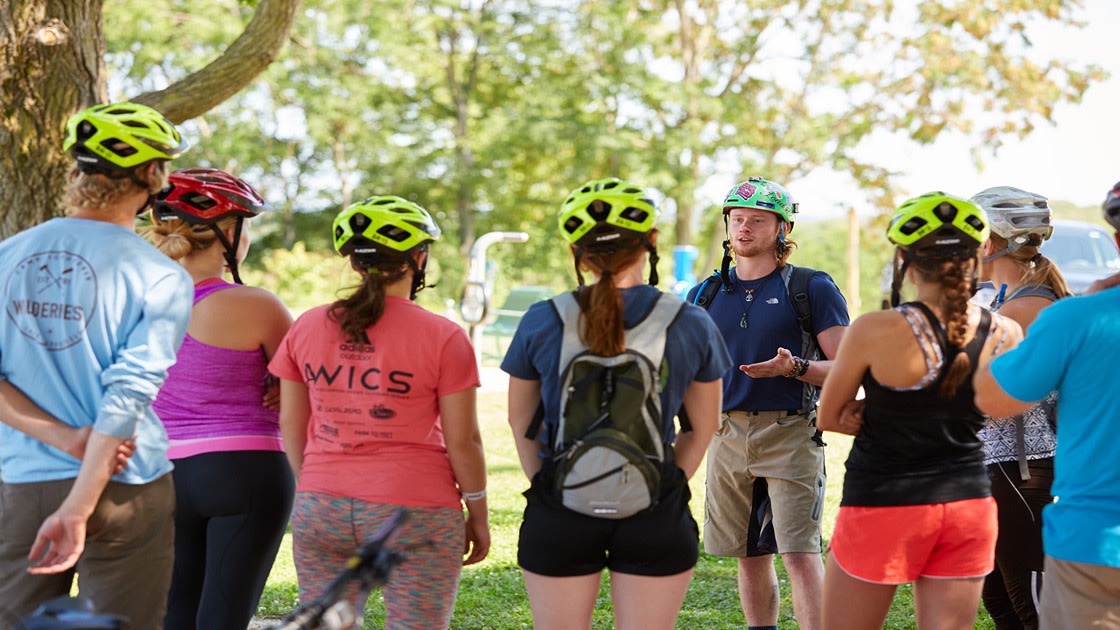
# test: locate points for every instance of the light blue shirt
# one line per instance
(93, 317)
(1074, 347)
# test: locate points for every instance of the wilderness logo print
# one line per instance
(51, 297)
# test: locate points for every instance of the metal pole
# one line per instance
(475, 302)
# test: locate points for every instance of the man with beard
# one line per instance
(765, 486)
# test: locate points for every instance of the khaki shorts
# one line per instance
(126, 566)
(758, 454)
(1079, 595)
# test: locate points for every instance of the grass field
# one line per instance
(492, 596)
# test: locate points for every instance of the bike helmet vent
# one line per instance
(938, 224)
(383, 224)
(1016, 215)
(603, 210)
(206, 195)
(121, 136)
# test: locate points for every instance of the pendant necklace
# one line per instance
(746, 299)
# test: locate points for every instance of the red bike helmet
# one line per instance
(204, 196)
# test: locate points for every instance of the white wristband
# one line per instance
(474, 496)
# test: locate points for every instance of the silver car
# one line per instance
(1084, 252)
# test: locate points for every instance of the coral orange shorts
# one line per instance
(899, 544)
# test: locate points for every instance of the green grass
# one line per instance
(492, 595)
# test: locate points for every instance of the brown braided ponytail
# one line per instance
(955, 277)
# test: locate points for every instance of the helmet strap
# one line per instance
(653, 258)
(230, 253)
(901, 263)
(725, 264)
(1013, 245)
(782, 247)
(146, 205)
(419, 273)
(578, 254)
(1000, 254)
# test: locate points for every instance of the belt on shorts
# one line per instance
(781, 413)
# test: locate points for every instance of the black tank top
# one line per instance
(916, 447)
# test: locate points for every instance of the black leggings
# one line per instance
(1011, 590)
(231, 512)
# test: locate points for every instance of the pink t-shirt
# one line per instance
(375, 431)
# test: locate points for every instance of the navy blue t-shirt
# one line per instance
(694, 351)
(772, 324)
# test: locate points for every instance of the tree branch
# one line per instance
(258, 46)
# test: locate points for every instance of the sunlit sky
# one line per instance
(1075, 159)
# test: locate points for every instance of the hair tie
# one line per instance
(1036, 258)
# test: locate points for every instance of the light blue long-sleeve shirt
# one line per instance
(93, 318)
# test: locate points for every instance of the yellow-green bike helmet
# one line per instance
(120, 136)
(605, 214)
(938, 225)
(614, 206)
(383, 224)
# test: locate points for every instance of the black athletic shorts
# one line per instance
(558, 542)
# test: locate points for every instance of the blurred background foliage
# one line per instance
(487, 112)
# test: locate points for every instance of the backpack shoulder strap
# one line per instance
(649, 335)
(976, 345)
(797, 284)
(567, 309)
(1033, 290)
(708, 289)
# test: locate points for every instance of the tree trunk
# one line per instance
(51, 66)
(686, 201)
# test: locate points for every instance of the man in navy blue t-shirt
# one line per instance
(765, 485)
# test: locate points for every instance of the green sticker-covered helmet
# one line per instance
(615, 205)
(938, 224)
(764, 195)
(121, 136)
(383, 224)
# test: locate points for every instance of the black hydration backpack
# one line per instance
(796, 280)
(608, 449)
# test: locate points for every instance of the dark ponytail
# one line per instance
(364, 307)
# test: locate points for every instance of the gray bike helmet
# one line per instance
(1020, 217)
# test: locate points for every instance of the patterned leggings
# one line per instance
(328, 529)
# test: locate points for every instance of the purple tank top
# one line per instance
(211, 400)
